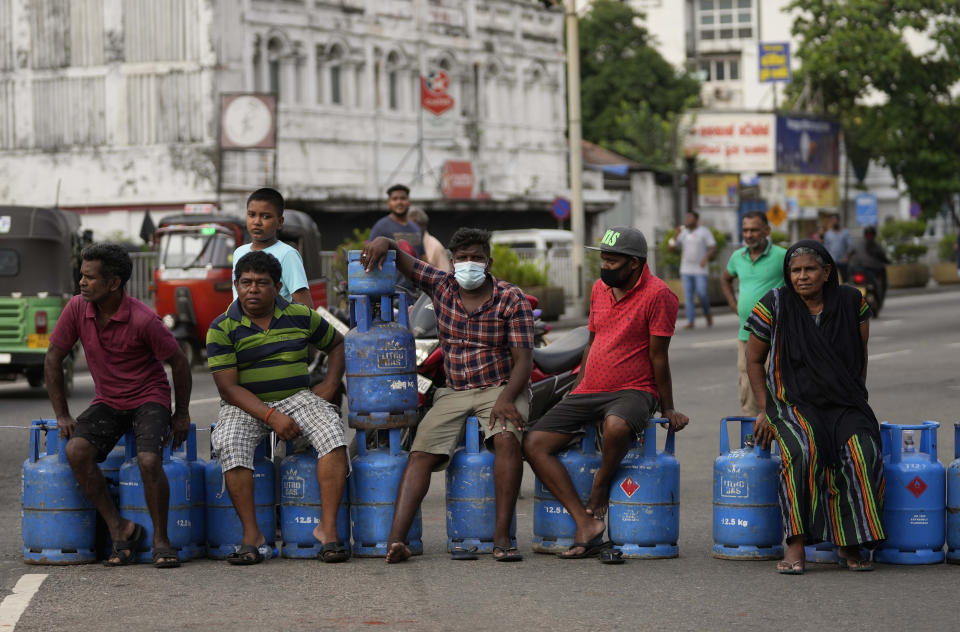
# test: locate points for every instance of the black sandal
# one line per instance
(126, 550)
(333, 553)
(246, 555)
(460, 553)
(165, 557)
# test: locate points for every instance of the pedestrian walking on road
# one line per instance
(485, 327)
(257, 351)
(697, 246)
(814, 401)
(125, 345)
(839, 243)
(624, 379)
(759, 267)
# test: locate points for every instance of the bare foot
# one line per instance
(585, 535)
(598, 501)
(321, 537)
(397, 552)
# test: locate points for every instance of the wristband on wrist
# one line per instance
(269, 412)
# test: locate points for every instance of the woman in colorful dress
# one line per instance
(813, 399)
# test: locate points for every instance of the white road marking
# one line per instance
(895, 321)
(16, 602)
(889, 354)
(205, 400)
(726, 342)
(713, 387)
(953, 345)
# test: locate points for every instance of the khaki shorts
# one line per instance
(442, 428)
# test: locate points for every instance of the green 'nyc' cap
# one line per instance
(623, 240)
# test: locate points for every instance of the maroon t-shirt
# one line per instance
(125, 357)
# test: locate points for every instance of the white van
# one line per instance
(546, 246)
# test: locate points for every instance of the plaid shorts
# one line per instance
(238, 433)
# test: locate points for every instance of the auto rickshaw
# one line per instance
(192, 281)
(39, 268)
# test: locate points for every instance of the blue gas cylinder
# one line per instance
(224, 531)
(133, 503)
(381, 366)
(373, 491)
(300, 509)
(471, 496)
(553, 528)
(111, 473)
(645, 499)
(376, 282)
(57, 521)
(197, 547)
(914, 511)
(953, 501)
(747, 524)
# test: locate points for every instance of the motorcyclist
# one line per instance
(870, 256)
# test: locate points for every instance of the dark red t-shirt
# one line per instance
(620, 354)
(125, 357)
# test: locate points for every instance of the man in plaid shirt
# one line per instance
(485, 327)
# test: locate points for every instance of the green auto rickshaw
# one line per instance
(39, 268)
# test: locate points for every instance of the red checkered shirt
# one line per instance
(476, 347)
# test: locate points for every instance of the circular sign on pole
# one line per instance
(560, 208)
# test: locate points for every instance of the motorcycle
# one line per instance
(865, 280)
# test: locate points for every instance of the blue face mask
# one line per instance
(470, 274)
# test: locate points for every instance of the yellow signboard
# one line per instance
(776, 214)
(717, 190)
(812, 190)
(774, 62)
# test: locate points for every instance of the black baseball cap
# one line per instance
(623, 240)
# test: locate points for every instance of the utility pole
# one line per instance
(575, 136)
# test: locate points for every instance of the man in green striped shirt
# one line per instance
(257, 351)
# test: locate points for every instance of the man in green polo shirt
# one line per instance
(257, 351)
(759, 266)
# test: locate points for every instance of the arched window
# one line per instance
(335, 62)
(275, 51)
(393, 80)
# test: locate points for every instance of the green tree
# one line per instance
(894, 104)
(631, 96)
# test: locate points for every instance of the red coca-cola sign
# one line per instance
(433, 92)
(457, 179)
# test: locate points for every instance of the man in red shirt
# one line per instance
(125, 344)
(625, 377)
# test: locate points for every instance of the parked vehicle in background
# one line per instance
(548, 248)
(39, 268)
(193, 281)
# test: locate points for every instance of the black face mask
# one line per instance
(615, 277)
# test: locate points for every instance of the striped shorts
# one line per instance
(238, 433)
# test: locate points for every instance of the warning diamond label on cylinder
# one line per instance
(629, 487)
(917, 486)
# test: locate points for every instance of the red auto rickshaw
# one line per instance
(192, 281)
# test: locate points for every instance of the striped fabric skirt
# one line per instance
(843, 503)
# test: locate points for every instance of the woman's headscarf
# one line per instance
(822, 365)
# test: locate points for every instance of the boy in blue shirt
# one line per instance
(264, 219)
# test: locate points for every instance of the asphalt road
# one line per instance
(913, 375)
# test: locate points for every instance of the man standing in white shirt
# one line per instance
(697, 245)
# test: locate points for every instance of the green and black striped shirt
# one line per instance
(271, 363)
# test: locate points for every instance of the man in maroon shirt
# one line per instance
(125, 344)
(625, 377)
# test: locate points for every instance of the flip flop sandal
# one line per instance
(333, 553)
(790, 568)
(611, 556)
(162, 558)
(460, 553)
(859, 568)
(126, 550)
(590, 549)
(510, 554)
(246, 555)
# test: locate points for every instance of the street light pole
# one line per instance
(575, 136)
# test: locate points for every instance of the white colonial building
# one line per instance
(112, 107)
